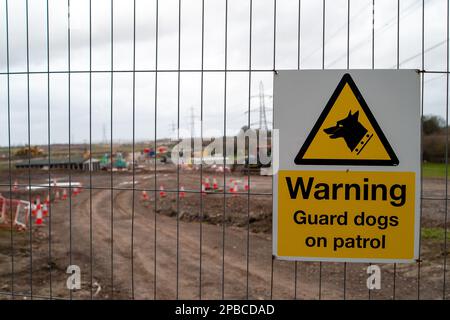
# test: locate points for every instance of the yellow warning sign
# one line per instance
(346, 133)
(346, 215)
(342, 192)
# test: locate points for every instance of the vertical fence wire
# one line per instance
(446, 155)
(398, 34)
(224, 146)
(323, 68)
(373, 34)
(201, 156)
(9, 145)
(91, 239)
(29, 146)
(348, 67)
(133, 149)
(50, 263)
(274, 72)
(298, 68)
(156, 148)
(178, 158)
(372, 67)
(111, 148)
(394, 282)
(70, 134)
(247, 159)
(419, 262)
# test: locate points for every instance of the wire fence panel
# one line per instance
(96, 95)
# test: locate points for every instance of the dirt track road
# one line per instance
(234, 264)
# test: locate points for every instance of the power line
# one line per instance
(334, 34)
(405, 12)
(428, 49)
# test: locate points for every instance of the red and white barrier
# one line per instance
(45, 209)
(15, 213)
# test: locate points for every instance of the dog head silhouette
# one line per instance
(348, 128)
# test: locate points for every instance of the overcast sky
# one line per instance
(238, 31)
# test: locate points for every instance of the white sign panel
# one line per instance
(348, 185)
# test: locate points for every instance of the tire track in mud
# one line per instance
(235, 270)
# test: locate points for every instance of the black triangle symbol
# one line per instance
(347, 79)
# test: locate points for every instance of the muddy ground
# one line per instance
(200, 252)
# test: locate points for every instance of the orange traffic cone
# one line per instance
(231, 189)
(56, 195)
(207, 185)
(47, 199)
(162, 193)
(64, 195)
(144, 195)
(37, 206)
(215, 186)
(39, 217)
(235, 189)
(246, 187)
(182, 192)
(75, 191)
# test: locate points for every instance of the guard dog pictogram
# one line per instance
(346, 133)
(352, 131)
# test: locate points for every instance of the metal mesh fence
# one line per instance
(90, 85)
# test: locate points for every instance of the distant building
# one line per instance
(74, 163)
(91, 164)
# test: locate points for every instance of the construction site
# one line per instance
(99, 219)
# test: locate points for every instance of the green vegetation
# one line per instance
(434, 170)
(433, 233)
(434, 138)
(432, 124)
(4, 165)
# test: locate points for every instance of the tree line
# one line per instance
(434, 129)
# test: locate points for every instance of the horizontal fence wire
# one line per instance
(181, 70)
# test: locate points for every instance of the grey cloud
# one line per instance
(214, 58)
